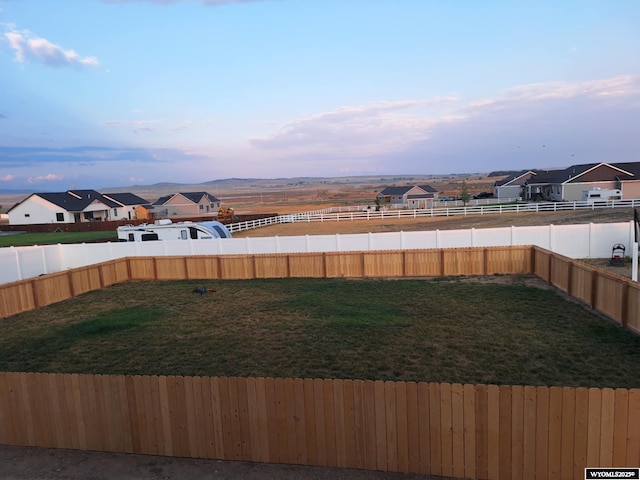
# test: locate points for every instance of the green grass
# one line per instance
(22, 239)
(444, 330)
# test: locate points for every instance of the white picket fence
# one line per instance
(338, 214)
(575, 241)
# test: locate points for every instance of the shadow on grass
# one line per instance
(107, 325)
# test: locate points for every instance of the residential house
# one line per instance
(571, 184)
(513, 185)
(186, 204)
(74, 206)
(409, 196)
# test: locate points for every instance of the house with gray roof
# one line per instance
(186, 204)
(571, 184)
(408, 196)
(512, 186)
(74, 206)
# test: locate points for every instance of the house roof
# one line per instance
(404, 189)
(194, 197)
(396, 190)
(76, 200)
(513, 178)
(126, 198)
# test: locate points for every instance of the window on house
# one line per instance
(60, 217)
(115, 212)
(201, 207)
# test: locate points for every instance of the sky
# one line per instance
(105, 93)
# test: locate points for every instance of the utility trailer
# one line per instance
(167, 230)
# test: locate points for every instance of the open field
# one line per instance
(442, 223)
(508, 330)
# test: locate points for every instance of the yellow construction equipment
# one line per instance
(226, 215)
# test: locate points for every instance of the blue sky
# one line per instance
(100, 93)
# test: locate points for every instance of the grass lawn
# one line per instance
(505, 331)
(22, 239)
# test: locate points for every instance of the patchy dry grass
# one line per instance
(449, 330)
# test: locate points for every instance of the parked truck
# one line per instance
(167, 230)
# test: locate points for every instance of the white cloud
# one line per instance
(184, 126)
(136, 126)
(594, 119)
(359, 130)
(29, 47)
(45, 178)
(7, 178)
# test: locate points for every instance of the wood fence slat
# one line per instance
(381, 426)
(25, 425)
(458, 430)
(310, 421)
(351, 454)
(125, 417)
(245, 427)
(112, 435)
(117, 407)
(581, 429)
(529, 434)
(234, 419)
(606, 428)
(505, 432)
(359, 424)
(174, 388)
(542, 431)
(140, 412)
(435, 428)
(218, 424)
(184, 397)
(517, 432)
(424, 427)
(134, 425)
(338, 403)
(329, 423)
(150, 416)
(7, 414)
(253, 421)
(40, 408)
(402, 427)
(281, 420)
(89, 411)
(633, 429)
(59, 409)
(290, 417)
(263, 421)
(74, 415)
(620, 422)
(81, 442)
(593, 428)
(200, 419)
(370, 426)
(300, 422)
(475, 442)
(321, 442)
(225, 419)
(391, 426)
(493, 432)
(555, 433)
(446, 437)
(413, 428)
(166, 447)
(568, 426)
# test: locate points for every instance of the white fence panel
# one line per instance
(10, 271)
(576, 241)
(493, 237)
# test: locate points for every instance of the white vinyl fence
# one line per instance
(575, 241)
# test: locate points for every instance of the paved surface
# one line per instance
(29, 463)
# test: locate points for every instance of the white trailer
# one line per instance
(167, 230)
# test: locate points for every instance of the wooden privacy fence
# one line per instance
(37, 292)
(470, 431)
